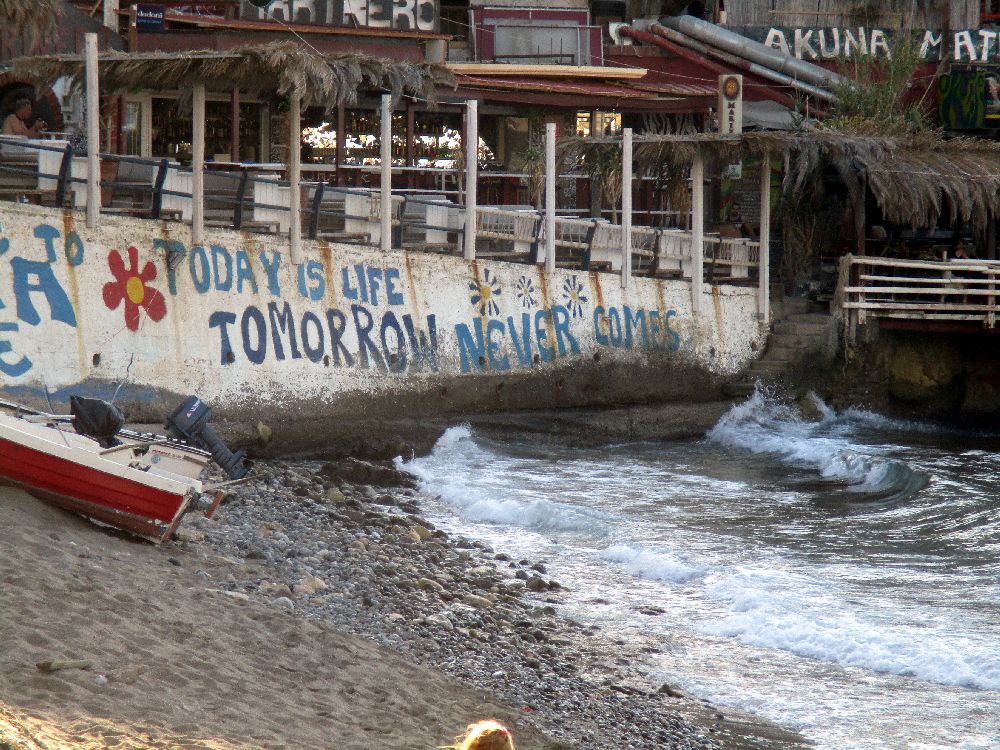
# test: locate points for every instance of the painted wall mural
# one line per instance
(235, 318)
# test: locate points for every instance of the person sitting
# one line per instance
(17, 121)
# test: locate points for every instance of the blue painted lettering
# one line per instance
(244, 272)
(654, 329)
(48, 234)
(472, 351)
(201, 273)
(350, 292)
(545, 352)
(424, 353)
(74, 249)
(222, 321)
(522, 340)
(368, 353)
(359, 270)
(283, 323)
(374, 283)
(391, 278)
(492, 347)
(314, 271)
(397, 359)
(271, 266)
(11, 369)
(636, 322)
(314, 353)
(614, 327)
(600, 324)
(173, 249)
(675, 338)
(32, 276)
(560, 320)
(337, 322)
(219, 252)
(256, 353)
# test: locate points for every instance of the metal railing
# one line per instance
(254, 198)
(931, 291)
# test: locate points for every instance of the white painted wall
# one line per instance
(75, 309)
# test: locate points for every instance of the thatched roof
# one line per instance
(915, 178)
(262, 70)
(35, 16)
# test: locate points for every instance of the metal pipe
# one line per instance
(471, 175)
(752, 50)
(646, 38)
(385, 186)
(626, 206)
(697, 230)
(295, 176)
(93, 134)
(198, 164)
(763, 257)
(550, 196)
(742, 63)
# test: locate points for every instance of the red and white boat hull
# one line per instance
(72, 472)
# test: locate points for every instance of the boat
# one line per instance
(141, 483)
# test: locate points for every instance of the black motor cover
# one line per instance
(97, 419)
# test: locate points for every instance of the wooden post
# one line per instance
(385, 183)
(471, 146)
(697, 230)
(295, 176)
(764, 255)
(550, 196)
(198, 164)
(111, 15)
(626, 206)
(234, 124)
(93, 134)
(341, 142)
(411, 137)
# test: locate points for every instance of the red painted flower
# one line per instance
(130, 285)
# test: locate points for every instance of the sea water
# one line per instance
(839, 576)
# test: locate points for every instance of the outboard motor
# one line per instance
(190, 422)
(97, 419)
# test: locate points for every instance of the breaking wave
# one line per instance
(764, 425)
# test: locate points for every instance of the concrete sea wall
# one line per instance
(348, 340)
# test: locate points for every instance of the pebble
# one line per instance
(342, 544)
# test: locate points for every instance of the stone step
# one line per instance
(799, 327)
(780, 352)
(740, 389)
(803, 341)
(767, 367)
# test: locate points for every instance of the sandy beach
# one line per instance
(314, 611)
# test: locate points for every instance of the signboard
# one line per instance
(833, 43)
(399, 15)
(149, 17)
(730, 104)
(969, 98)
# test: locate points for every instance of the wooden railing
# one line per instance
(932, 291)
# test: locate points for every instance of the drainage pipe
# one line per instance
(751, 67)
(646, 38)
(754, 51)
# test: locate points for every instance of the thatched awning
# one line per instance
(36, 16)
(281, 68)
(915, 178)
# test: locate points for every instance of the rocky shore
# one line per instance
(344, 542)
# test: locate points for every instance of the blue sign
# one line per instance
(149, 17)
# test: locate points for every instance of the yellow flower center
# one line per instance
(135, 290)
(485, 293)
